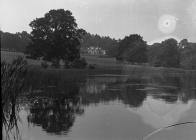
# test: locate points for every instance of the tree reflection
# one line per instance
(173, 87)
(56, 114)
(167, 94)
(165, 86)
(133, 93)
(55, 107)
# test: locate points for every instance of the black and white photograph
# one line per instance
(98, 69)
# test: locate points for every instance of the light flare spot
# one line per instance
(167, 24)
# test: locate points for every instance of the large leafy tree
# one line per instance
(133, 49)
(170, 55)
(55, 37)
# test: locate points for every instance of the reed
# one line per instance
(12, 81)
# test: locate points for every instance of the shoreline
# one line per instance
(101, 64)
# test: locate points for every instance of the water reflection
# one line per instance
(158, 114)
(159, 99)
(55, 112)
(132, 93)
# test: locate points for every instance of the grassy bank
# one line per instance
(108, 65)
(102, 65)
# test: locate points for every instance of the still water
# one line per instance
(110, 107)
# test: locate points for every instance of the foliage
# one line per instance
(154, 51)
(44, 64)
(106, 43)
(12, 82)
(14, 42)
(170, 56)
(55, 63)
(165, 54)
(188, 54)
(55, 37)
(91, 66)
(79, 63)
(132, 49)
(170, 53)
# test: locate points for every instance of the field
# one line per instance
(102, 64)
(99, 61)
(10, 56)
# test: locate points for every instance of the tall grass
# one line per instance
(12, 81)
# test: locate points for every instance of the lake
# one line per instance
(123, 106)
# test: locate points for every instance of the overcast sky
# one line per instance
(114, 18)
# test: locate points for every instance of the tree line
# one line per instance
(168, 53)
(20, 40)
(14, 42)
(56, 37)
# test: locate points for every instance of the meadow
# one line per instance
(102, 65)
(10, 56)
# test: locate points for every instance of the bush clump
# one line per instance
(79, 63)
(44, 64)
(91, 66)
(55, 63)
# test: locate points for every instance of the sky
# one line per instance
(155, 20)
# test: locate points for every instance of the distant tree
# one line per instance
(55, 37)
(183, 43)
(133, 49)
(112, 49)
(0, 36)
(188, 54)
(15, 42)
(24, 36)
(154, 51)
(109, 45)
(170, 54)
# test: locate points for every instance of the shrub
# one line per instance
(79, 63)
(91, 66)
(30, 57)
(67, 65)
(55, 63)
(44, 64)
